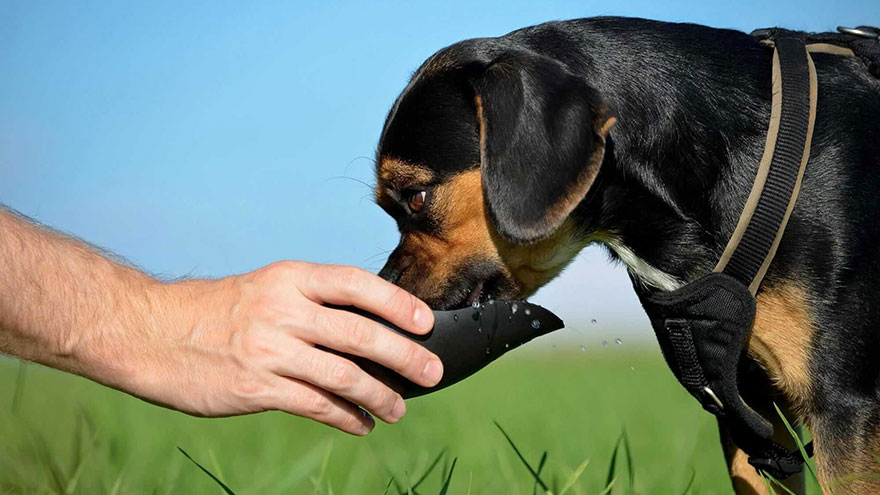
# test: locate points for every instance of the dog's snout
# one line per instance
(395, 266)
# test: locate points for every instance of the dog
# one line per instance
(504, 157)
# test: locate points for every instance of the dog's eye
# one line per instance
(416, 200)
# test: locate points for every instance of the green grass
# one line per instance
(602, 421)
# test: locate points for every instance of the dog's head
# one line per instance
(482, 160)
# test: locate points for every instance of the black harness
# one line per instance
(703, 327)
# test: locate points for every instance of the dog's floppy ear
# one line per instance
(542, 140)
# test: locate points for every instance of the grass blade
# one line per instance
(117, 485)
(690, 483)
(445, 487)
(609, 480)
(523, 459)
(209, 473)
(428, 471)
(779, 484)
(800, 444)
(766, 482)
(540, 468)
(574, 477)
(409, 489)
(387, 486)
(216, 464)
(629, 461)
(608, 487)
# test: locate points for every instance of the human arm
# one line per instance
(235, 345)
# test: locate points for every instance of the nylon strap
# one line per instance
(721, 329)
(774, 192)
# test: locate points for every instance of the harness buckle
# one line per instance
(708, 391)
(780, 468)
(869, 32)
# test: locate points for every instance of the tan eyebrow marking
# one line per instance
(400, 174)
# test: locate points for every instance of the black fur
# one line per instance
(693, 105)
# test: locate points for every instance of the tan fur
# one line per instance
(854, 470)
(781, 340)
(745, 479)
(578, 190)
(399, 174)
(466, 233)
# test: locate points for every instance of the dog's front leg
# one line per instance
(760, 395)
(744, 477)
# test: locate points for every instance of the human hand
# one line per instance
(246, 344)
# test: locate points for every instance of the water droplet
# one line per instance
(536, 324)
(455, 317)
(510, 318)
(618, 341)
(507, 346)
(604, 343)
(583, 348)
(513, 308)
(632, 368)
(488, 351)
(528, 311)
(475, 304)
(593, 321)
(476, 315)
(480, 329)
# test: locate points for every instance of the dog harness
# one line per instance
(703, 327)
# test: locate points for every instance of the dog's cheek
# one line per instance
(468, 234)
(533, 266)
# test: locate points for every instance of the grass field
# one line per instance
(64, 434)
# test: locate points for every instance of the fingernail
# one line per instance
(368, 423)
(398, 410)
(433, 371)
(423, 319)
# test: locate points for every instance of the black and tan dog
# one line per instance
(504, 157)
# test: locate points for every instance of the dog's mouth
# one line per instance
(481, 292)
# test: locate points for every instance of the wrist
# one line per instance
(175, 321)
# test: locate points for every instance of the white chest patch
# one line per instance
(641, 269)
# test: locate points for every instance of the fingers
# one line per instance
(346, 285)
(344, 379)
(353, 334)
(303, 399)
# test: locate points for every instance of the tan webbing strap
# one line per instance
(764, 169)
(814, 96)
(829, 48)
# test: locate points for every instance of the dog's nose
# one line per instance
(395, 266)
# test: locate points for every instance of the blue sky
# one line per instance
(208, 138)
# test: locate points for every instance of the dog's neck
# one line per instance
(680, 161)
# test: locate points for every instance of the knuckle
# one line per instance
(389, 399)
(343, 376)
(411, 357)
(360, 333)
(320, 321)
(350, 423)
(352, 280)
(250, 390)
(278, 275)
(317, 405)
(251, 347)
(277, 270)
(402, 302)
